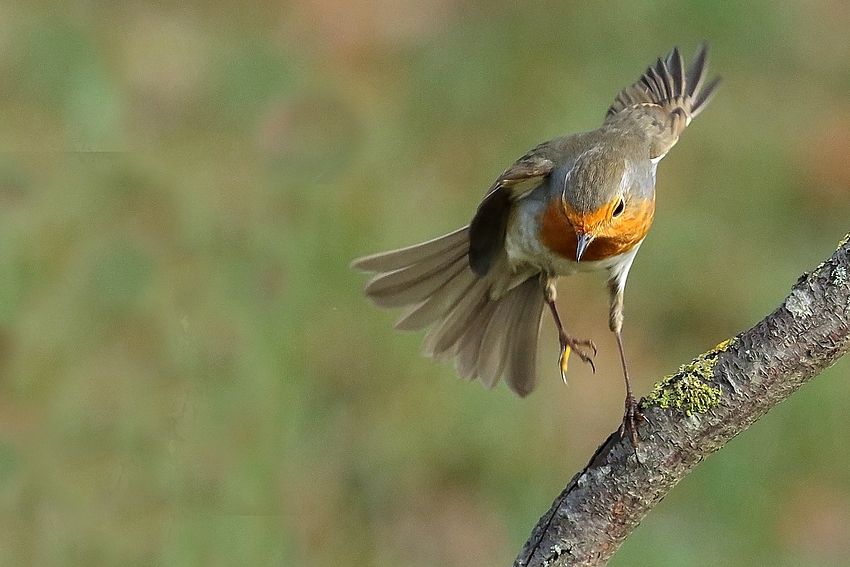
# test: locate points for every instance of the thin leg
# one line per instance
(632, 413)
(568, 343)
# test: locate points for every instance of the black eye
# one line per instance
(618, 210)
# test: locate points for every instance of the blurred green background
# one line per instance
(189, 374)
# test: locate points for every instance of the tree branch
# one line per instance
(756, 370)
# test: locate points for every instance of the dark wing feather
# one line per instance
(489, 225)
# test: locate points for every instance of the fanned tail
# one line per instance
(489, 324)
(665, 99)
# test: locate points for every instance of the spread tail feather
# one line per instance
(489, 324)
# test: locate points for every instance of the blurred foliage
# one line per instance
(189, 374)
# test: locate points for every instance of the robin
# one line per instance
(574, 204)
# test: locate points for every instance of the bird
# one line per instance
(578, 203)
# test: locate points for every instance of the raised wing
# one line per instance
(664, 100)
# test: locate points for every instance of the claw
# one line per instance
(630, 418)
(586, 358)
(562, 362)
(570, 345)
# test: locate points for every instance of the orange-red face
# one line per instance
(614, 228)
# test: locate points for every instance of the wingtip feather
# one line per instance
(667, 83)
(705, 95)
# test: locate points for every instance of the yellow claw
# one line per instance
(565, 355)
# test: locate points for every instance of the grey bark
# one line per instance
(606, 501)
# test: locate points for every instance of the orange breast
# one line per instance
(613, 236)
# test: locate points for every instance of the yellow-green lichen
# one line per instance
(688, 390)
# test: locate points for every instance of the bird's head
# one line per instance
(604, 199)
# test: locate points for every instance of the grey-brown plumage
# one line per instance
(482, 289)
(490, 335)
(664, 100)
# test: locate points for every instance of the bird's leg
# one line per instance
(632, 413)
(568, 343)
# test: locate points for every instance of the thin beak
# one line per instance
(584, 240)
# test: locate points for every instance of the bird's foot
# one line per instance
(580, 346)
(630, 418)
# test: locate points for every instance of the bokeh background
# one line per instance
(189, 374)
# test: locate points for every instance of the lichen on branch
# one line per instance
(689, 390)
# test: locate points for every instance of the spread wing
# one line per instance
(489, 225)
(665, 100)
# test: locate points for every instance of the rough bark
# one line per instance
(756, 370)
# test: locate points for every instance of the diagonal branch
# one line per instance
(753, 372)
